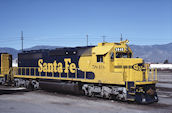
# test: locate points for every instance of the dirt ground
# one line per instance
(48, 102)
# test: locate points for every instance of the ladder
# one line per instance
(131, 90)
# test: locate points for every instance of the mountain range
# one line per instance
(150, 53)
(153, 53)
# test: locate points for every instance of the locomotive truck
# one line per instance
(106, 70)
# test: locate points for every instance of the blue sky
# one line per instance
(66, 22)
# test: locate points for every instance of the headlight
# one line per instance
(143, 100)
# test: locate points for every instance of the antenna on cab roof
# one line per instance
(121, 37)
(22, 40)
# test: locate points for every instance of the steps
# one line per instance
(131, 91)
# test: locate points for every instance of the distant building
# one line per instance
(161, 66)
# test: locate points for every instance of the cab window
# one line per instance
(129, 55)
(123, 55)
(112, 55)
(99, 58)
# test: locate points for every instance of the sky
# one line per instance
(67, 22)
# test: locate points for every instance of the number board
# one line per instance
(119, 49)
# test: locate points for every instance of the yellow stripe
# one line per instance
(57, 78)
(145, 82)
(60, 78)
(1, 75)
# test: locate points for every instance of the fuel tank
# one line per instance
(61, 86)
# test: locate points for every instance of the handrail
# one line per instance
(148, 74)
(33, 71)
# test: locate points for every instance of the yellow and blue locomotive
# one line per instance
(5, 67)
(106, 70)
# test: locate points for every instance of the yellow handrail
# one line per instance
(146, 73)
(156, 78)
(152, 73)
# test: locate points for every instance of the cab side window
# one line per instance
(99, 58)
(118, 55)
(112, 55)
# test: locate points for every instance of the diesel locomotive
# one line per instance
(106, 70)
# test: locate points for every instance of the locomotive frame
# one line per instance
(107, 70)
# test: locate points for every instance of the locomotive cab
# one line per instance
(113, 64)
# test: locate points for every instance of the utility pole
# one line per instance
(103, 38)
(22, 40)
(121, 37)
(87, 39)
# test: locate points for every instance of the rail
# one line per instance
(150, 73)
(146, 74)
(33, 72)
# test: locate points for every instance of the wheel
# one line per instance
(90, 93)
(85, 92)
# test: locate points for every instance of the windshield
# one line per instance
(123, 55)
